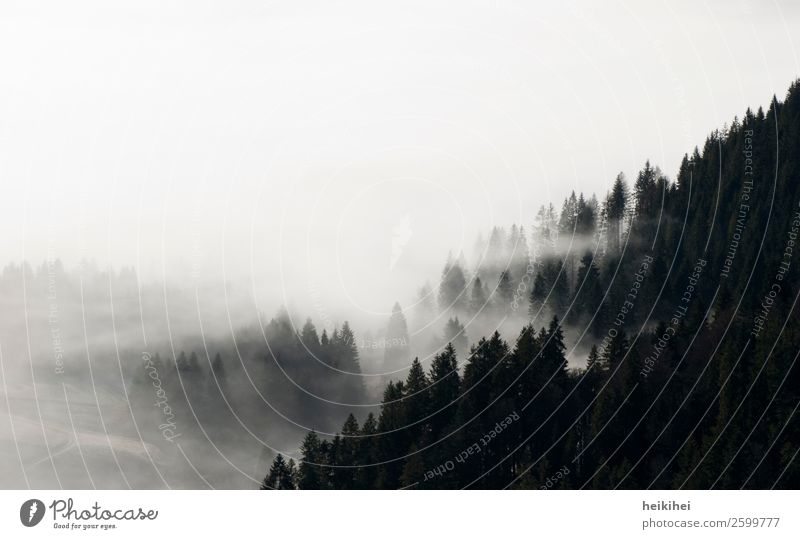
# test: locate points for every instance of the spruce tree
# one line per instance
(280, 475)
(478, 301)
(396, 351)
(455, 334)
(310, 475)
(444, 389)
(452, 288)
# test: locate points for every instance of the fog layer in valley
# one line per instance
(113, 382)
(227, 225)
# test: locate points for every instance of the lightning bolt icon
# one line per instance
(32, 512)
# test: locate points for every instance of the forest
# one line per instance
(640, 338)
(678, 296)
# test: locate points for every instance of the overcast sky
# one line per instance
(338, 150)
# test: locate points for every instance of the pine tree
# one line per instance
(587, 216)
(478, 301)
(347, 360)
(455, 334)
(474, 406)
(367, 473)
(504, 295)
(289, 481)
(310, 475)
(393, 442)
(417, 401)
(444, 389)
(280, 476)
(568, 220)
(309, 337)
(452, 288)
(554, 362)
(538, 294)
(348, 453)
(588, 289)
(615, 207)
(396, 352)
(644, 194)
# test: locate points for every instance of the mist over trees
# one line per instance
(396, 349)
(107, 357)
(680, 296)
(642, 338)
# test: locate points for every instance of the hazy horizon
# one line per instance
(258, 164)
(266, 145)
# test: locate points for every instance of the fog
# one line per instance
(178, 177)
(279, 145)
(111, 382)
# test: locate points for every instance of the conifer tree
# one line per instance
(445, 387)
(615, 207)
(538, 293)
(393, 443)
(348, 453)
(455, 334)
(417, 401)
(478, 301)
(568, 220)
(280, 476)
(310, 475)
(504, 294)
(452, 288)
(588, 289)
(309, 337)
(367, 473)
(396, 352)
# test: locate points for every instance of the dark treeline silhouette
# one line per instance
(683, 294)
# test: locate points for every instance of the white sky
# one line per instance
(294, 138)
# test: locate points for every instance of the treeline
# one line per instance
(254, 381)
(564, 265)
(686, 292)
